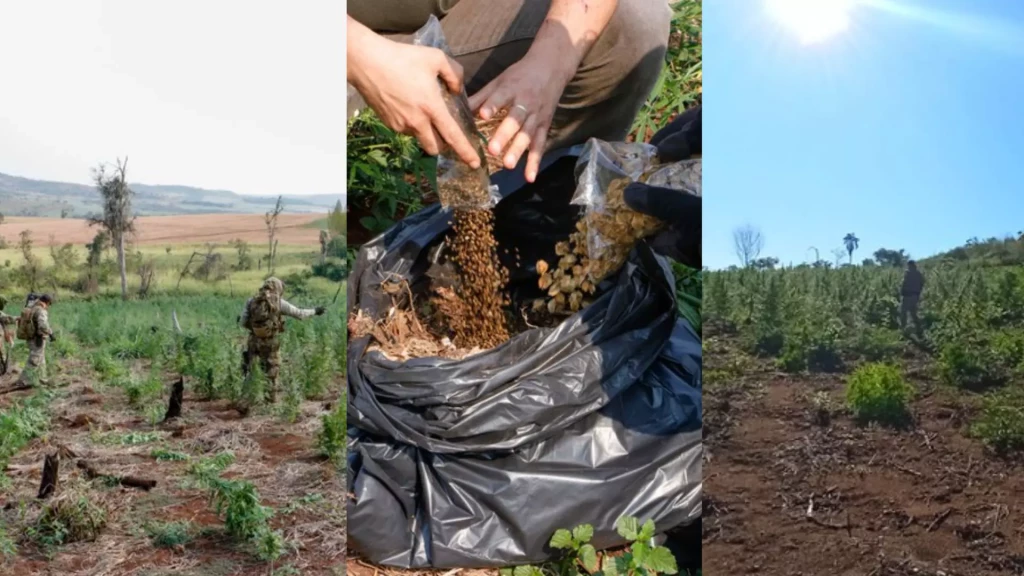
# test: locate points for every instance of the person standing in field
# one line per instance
(563, 70)
(263, 316)
(34, 328)
(910, 293)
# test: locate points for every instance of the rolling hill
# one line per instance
(41, 198)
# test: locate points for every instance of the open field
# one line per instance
(111, 370)
(170, 230)
(820, 460)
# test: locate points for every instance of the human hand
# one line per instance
(400, 82)
(681, 139)
(53, 337)
(530, 89)
(681, 210)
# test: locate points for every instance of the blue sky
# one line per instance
(906, 128)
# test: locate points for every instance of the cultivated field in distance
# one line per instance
(191, 229)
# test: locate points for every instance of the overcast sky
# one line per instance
(240, 95)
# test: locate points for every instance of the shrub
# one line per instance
(1001, 424)
(68, 518)
(971, 365)
(878, 393)
(331, 439)
(170, 534)
(877, 344)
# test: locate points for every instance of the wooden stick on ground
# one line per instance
(128, 481)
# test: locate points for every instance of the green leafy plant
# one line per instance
(878, 392)
(68, 518)
(238, 503)
(162, 455)
(170, 534)
(1001, 424)
(331, 438)
(580, 557)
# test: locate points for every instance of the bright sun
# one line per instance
(812, 20)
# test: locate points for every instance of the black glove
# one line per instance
(320, 310)
(681, 210)
(53, 337)
(681, 139)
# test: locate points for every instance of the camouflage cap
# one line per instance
(274, 285)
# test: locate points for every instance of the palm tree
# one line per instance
(852, 243)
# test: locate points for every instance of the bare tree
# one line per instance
(839, 253)
(117, 218)
(748, 243)
(271, 220)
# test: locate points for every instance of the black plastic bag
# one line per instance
(476, 462)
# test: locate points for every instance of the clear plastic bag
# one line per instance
(459, 186)
(609, 227)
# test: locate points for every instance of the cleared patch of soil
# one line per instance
(198, 228)
(279, 458)
(788, 493)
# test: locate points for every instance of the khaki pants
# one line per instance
(35, 367)
(487, 36)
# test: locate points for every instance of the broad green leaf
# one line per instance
(628, 527)
(661, 560)
(378, 157)
(527, 571)
(368, 222)
(561, 540)
(583, 533)
(506, 572)
(611, 566)
(647, 532)
(588, 557)
(640, 551)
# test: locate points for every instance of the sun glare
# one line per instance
(812, 21)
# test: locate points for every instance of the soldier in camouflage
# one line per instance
(34, 328)
(7, 323)
(263, 316)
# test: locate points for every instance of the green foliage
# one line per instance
(22, 422)
(67, 519)
(331, 438)
(170, 534)
(581, 558)
(972, 365)
(689, 294)
(337, 221)
(680, 85)
(877, 392)
(1001, 424)
(379, 161)
(238, 503)
(8, 549)
(877, 344)
(162, 455)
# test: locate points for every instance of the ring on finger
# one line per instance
(521, 107)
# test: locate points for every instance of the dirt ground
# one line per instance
(280, 459)
(787, 493)
(190, 229)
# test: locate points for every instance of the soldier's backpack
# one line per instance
(27, 324)
(264, 317)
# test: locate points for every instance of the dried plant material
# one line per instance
(480, 321)
(542, 267)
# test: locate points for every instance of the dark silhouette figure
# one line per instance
(910, 293)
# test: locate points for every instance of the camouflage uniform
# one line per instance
(7, 323)
(268, 349)
(36, 363)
